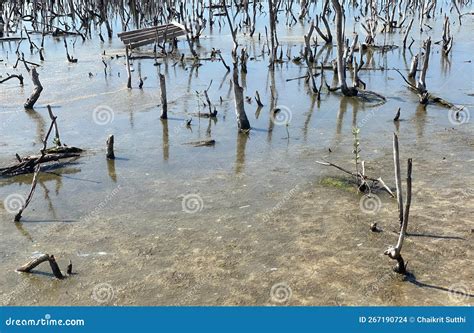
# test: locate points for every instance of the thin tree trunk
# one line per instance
(242, 120)
(341, 63)
(38, 88)
(164, 101)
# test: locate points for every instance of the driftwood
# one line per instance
(30, 195)
(29, 266)
(30, 163)
(394, 252)
(202, 143)
(19, 77)
(69, 57)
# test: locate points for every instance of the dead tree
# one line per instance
(70, 58)
(447, 38)
(328, 37)
(233, 33)
(164, 101)
(394, 252)
(421, 84)
(341, 61)
(273, 37)
(242, 120)
(407, 32)
(110, 148)
(413, 67)
(129, 72)
(38, 88)
(309, 58)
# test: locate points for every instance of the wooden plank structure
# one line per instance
(157, 34)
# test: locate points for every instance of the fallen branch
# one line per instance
(361, 178)
(30, 195)
(29, 266)
(19, 77)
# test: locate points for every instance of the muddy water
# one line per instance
(168, 223)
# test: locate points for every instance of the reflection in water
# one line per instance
(224, 78)
(111, 170)
(40, 123)
(273, 101)
(257, 112)
(240, 154)
(340, 117)
(355, 109)
(308, 118)
(397, 126)
(48, 199)
(166, 150)
(243, 79)
(420, 120)
(445, 64)
(23, 231)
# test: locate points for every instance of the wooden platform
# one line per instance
(136, 38)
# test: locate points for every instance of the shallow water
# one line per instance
(266, 213)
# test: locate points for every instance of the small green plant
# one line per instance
(57, 142)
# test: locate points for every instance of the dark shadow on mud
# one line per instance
(459, 293)
(49, 221)
(435, 236)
